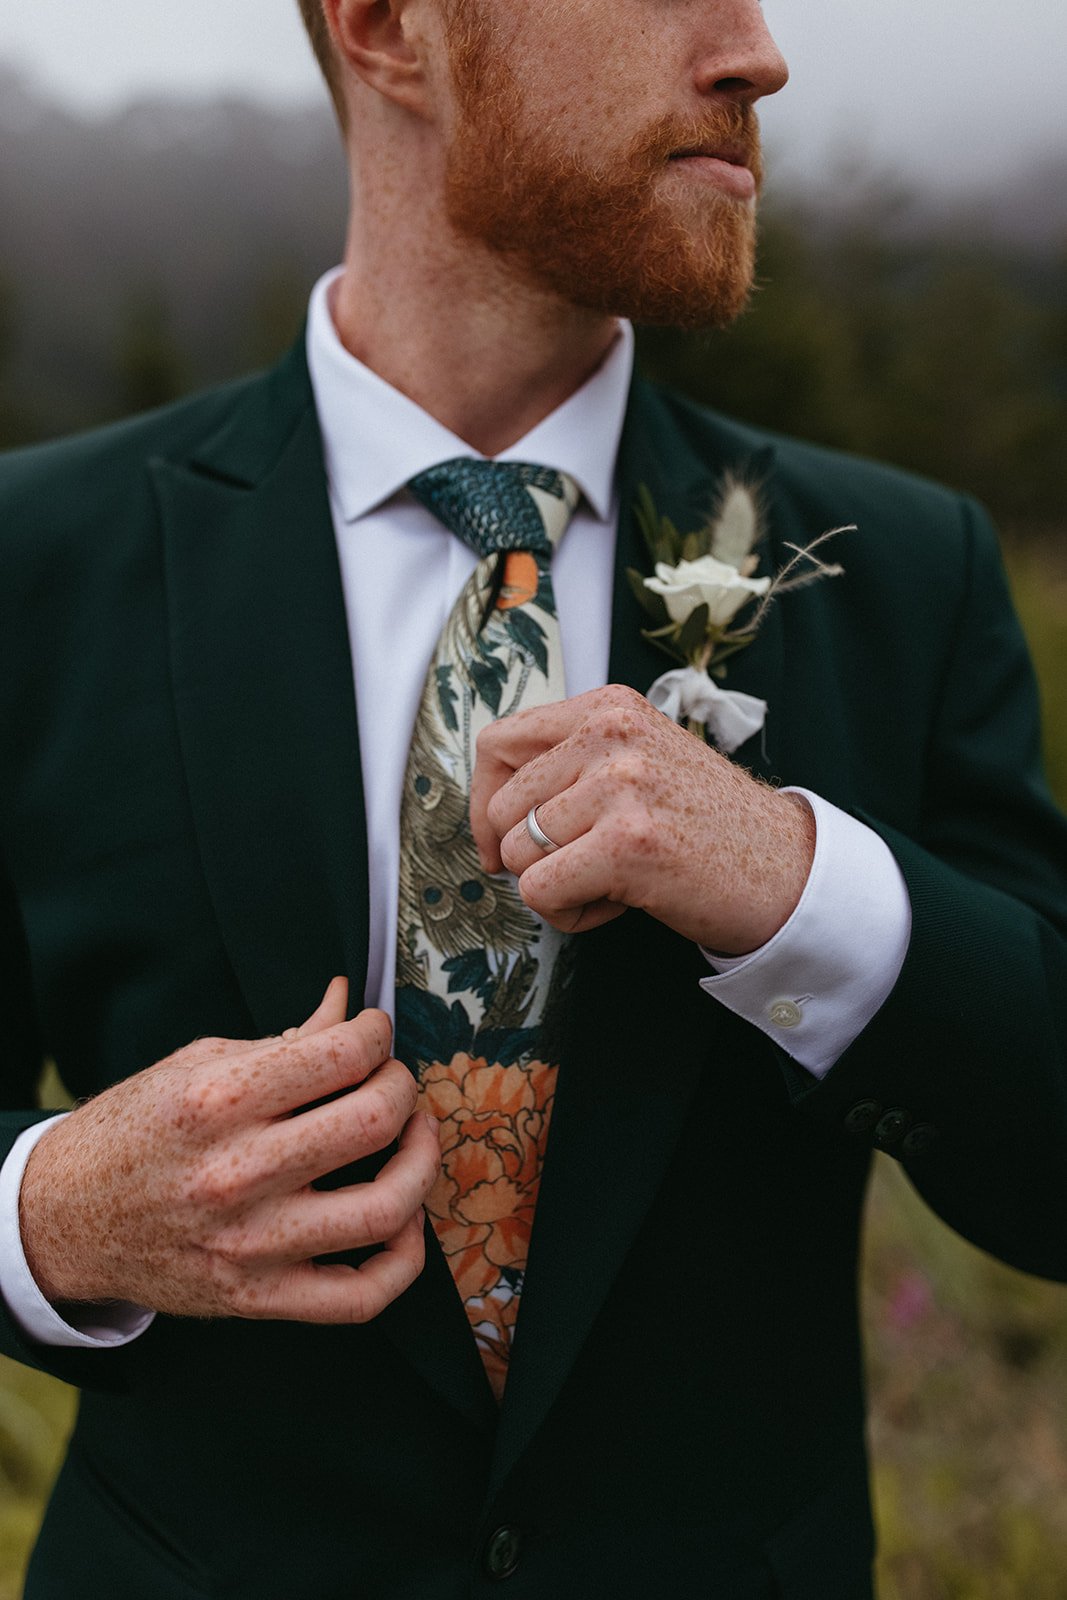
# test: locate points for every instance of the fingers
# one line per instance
(491, 772)
(565, 818)
(285, 1074)
(294, 1151)
(317, 1223)
(529, 757)
(236, 1082)
(582, 919)
(332, 1009)
(340, 1294)
(389, 1209)
(543, 782)
(503, 748)
(574, 888)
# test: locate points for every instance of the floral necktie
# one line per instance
(479, 977)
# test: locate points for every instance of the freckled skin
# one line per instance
(646, 816)
(186, 1188)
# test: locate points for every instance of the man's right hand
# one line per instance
(187, 1187)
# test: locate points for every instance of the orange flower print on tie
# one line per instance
(494, 1127)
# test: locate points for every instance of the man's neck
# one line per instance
(457, 331)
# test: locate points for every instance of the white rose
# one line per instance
(705, 582)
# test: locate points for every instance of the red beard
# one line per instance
(625, 237)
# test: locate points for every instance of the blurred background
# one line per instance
(171, 185)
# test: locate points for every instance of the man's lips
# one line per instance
(724, 165)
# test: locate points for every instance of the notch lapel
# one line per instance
(263, 688)
(262, 679)
(640, 1031)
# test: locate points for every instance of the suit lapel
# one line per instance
(641, 1032)
(262, 676)
(262, 679)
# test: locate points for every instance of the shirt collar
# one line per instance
(375, 439)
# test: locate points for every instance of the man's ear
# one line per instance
(378, 42)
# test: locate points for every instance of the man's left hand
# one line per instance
(644, 815)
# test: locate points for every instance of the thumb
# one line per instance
(331, 1009)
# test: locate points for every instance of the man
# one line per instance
(658, 1391)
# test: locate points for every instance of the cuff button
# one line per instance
(786, 1014)
(891, 1128)
(922, 1137)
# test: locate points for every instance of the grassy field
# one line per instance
(967, 1359)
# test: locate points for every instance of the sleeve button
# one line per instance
(786, 1014)
(921, 1138)
(862, 1117)
(891, 1128)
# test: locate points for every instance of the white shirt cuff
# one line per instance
(815, 986)
(101, 1327)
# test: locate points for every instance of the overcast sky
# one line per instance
(957, 89)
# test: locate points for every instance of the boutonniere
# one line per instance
(706, 602)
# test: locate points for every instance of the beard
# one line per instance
(623, 236)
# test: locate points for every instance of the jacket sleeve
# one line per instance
(20, 1072)
(962, 1074)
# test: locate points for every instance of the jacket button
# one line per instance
(921, 1137)
(501, 1556)
(890, 1129)
(863, 1116)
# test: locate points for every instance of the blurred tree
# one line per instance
(16, 424)
(150, 366)
(1058, 320)
(277, 305)
(963, 393)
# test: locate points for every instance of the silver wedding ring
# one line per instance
(537, 833)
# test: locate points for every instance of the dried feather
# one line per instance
(737, 521)
(802, 568)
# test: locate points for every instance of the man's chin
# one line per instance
(690, 304)
(691, 313)
(676, 277)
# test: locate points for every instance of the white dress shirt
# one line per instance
(812, 988)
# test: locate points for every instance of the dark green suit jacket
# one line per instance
(184, 853)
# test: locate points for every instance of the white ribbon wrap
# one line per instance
(729, 716)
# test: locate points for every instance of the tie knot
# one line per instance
(499, 505)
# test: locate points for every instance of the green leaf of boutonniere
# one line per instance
(694, 632)
(662, 539)
(651, 604)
